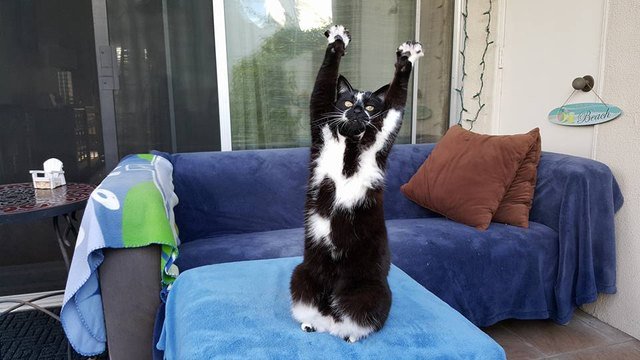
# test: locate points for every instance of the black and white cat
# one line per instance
(341, 286)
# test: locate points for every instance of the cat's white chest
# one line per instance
(351, 191)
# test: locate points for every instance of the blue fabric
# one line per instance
(242, 311)
(505, 272)
(262, 190)
(578, 198)
(106, 223)
(239, 191)
(249, 205)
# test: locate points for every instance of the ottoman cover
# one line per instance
(241, 310)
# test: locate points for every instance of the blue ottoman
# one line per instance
(241, 310)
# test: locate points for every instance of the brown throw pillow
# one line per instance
(467, 174)
(516, 203)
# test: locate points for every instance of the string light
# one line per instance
(463, 51)
(483, 64)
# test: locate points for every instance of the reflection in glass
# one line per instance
(49, 92)
(167, 97)
(141, 102)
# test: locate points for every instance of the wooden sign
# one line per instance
(584, 114)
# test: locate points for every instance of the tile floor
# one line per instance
(584, 338)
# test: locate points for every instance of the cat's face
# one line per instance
(357, 109)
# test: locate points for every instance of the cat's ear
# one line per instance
(343, 85)
(381, 93)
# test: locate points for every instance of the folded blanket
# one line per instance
(132, 207)
(241, 310)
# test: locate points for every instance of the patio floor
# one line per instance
(584, 338)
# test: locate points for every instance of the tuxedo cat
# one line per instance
(341, 285)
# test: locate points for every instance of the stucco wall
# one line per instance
(616, 145)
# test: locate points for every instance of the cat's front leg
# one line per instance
(396, 97)
(406, 56)
(337, 34)
(409, 51)
(324, 89)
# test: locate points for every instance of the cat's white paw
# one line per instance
(338, 32)
(350, 339)
(411, 49)
(307, 327)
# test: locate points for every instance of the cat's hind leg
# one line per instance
(361, 310)
(310, 306)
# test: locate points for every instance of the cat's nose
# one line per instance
(357, 109)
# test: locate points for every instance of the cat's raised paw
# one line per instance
(307, 327)
(412, 50)
(338, 32)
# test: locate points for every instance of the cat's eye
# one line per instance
(369, 108)
(348, 103)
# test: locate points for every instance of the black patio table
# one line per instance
(21, 202)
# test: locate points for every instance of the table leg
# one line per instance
(63, 236)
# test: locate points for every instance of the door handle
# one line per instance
(108, 71)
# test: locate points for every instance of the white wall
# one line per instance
(545, 44)
(476, 28)
(617, 146)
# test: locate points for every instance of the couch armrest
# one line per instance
(563, 178)
(130, 286)
(578, 198)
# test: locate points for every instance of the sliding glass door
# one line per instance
(92, 81)
(176, 89)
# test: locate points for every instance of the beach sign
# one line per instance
(584, 114)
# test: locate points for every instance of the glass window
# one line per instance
(274, 50)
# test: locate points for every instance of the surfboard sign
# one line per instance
(584, 114)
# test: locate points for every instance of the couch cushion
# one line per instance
(488, 276)
(516, 203)
(239, 191)
(261, 190)
(236, 247)
(503, 272)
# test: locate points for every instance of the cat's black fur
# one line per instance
(344, 273)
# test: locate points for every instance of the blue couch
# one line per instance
(245, 205)
(249, 205)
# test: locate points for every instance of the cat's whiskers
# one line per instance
(370, 124)
(334, 121)
(332, 118)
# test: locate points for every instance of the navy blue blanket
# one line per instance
(578, 198)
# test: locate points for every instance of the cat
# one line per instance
(341, 285)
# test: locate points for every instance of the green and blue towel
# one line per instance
(132, 207)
